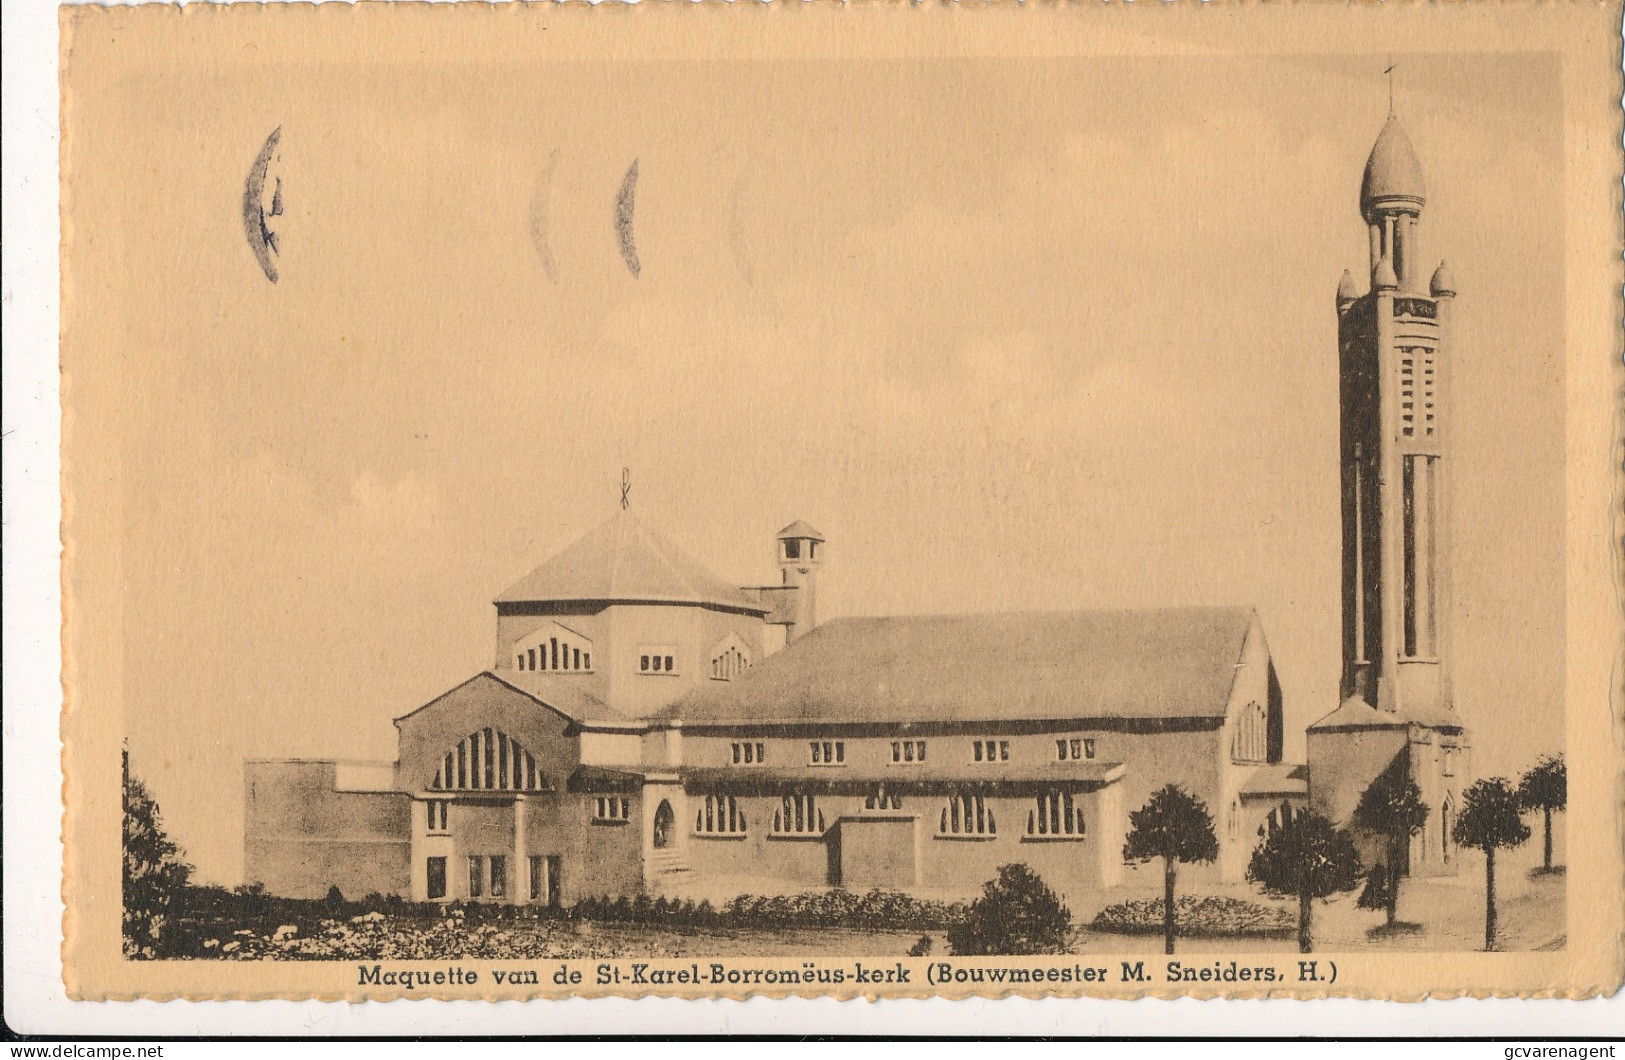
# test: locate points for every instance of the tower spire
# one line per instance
(1392, 195)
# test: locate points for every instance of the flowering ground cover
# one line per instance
(1198, 916)
(215, 924)
(454, 938)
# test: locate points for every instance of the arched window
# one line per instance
(881, 799)
(1251, 740)
(1057, 814)
(798, 815)
(728, 664)
(553, 649)
(730, 657)
(488, 760)
(720, 815)
(665, 825)
(967, 813)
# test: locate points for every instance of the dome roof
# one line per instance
(1385, 277)
(1393, 176)
(1443, 283)
(623, 561)
(1346, 291)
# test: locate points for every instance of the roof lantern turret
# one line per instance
(1393, 176)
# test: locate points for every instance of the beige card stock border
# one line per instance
(1584, 35)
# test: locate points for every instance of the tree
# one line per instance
(1392, 807)
(1545, 788)
(1490, 818)
(1175, 826)
(154, 875)
(1306, 858)
(1017, 913)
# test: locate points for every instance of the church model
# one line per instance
(646, 726)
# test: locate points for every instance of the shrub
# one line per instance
(1197, 917)
(877, 910)
(1017, 913)
(1306, 858)
(1490, 820)
(1546, 788)
(155, 879)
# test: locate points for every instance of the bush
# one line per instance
(876, 910)
(1209, 917)
(1017, 913)
(155, 879)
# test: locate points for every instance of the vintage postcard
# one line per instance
(891, 500)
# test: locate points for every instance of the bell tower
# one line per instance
(1394, 451)
(1395, 436)
(800, 550)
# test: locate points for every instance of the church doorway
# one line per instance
(665, 825)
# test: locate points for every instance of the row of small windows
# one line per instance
(1074, 750)
(833, 752)
(720, 815)
(554, 655)
(729, 665)
(991, 751)
(488, 760)
(611, 808)
(1055, 814)
(656, 661)
(560, 656)
(490, 873)
(492, 760)
(828, 752)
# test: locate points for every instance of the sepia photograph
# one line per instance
(579, 521)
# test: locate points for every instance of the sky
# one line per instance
(1035, 334)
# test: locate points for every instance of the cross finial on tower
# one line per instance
(1390, 72)
(626, 488)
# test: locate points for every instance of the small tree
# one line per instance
(1545, 788)
(1306, 858)
(1490, 819)
(1176, 827)
(1392, 808)
(154, 875)
(1017, 913)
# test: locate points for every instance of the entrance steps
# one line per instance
(668, 869)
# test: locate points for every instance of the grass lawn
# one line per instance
(1447, 911)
